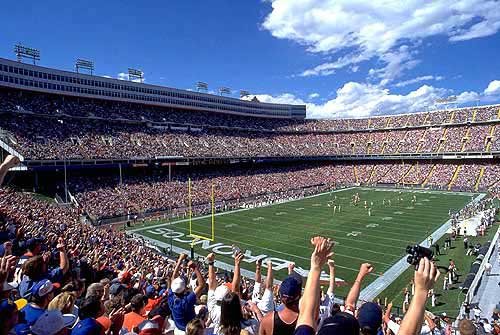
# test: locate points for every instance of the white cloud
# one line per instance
(285, 98)
(313, 95)
(122, 76)
(377, 28)
(493, 88)
(418, 80)
(125, 76)
(362, 100)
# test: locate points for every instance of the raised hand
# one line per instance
(191, 265)
(426, 275)
(211, 257)
(7, 265)
(238, 258)
(11, 161)
(322, 251)
(365, 269)
(291, 267)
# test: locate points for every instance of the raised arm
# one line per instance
(387, 314)
(269, 277)
(63, 257)
(237, 273)
(352, 297)
(425, 278)
(258, 272)
(199, 278)
(9, 162)
(177, 268)
(331, 266)
(212, 281)
(309, 304)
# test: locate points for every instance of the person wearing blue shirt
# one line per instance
(180, 301)
(41, 294)
(36, 269)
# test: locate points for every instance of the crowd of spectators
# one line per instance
(69, 138)
(467, 175)
(61, 106)
(60, 276)
(104, 197)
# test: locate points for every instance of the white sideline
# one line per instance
(376, 287)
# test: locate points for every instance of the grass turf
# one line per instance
(283, 230)
(448, 301)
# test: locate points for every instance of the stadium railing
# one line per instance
(479, 275)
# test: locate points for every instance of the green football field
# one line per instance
(282, 231)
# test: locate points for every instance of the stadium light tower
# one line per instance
(244, 93)
(446, 101)
(22, 51)
(201, 86)
(85, 65)
(135, 75)
(224, 90)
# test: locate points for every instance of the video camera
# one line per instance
(416, 253)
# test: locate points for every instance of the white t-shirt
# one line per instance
(266, 303)
(213, 310)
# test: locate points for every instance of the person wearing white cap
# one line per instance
(180, 301)
(50, 323)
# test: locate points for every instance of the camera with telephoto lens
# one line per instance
(416, 253)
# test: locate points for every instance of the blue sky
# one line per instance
(343, 58)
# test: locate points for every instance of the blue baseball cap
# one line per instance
(290, 287)
(370, 317)
(41, 288)
(341, 323)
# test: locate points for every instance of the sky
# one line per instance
(342, 58)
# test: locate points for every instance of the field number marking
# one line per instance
(354, 233)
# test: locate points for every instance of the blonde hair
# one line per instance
(194, 326)
(63, 302)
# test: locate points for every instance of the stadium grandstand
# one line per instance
(112, 183)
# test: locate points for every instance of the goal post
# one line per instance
(197, 235)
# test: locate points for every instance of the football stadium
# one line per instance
(130, 207)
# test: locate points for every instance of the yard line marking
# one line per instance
(378, 285)
(242, 209)
(283, 253)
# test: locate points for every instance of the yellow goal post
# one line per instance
(193, 233)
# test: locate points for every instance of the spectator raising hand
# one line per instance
(309, 305)
(9, 162)
(426, 276)
(364, 270)
(7, 265)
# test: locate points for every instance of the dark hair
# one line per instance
(335, 309)
(137, 302)
(90, 308)
(231, 315)
(8, 307)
